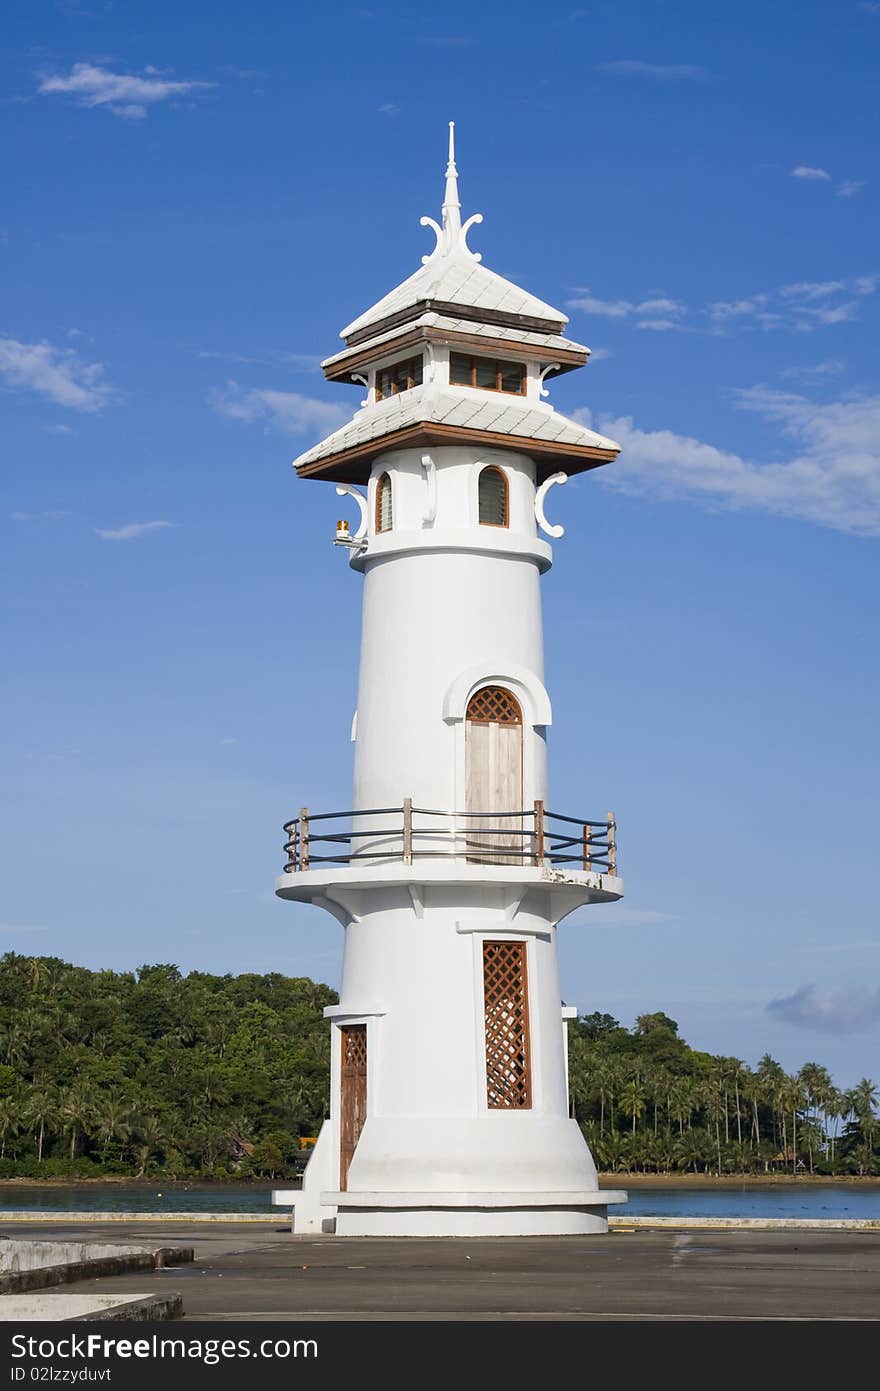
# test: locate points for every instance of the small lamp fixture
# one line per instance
(342, 533)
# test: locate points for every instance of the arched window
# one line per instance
(384, 516)
(493, 492)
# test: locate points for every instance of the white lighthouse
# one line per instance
(451, 870)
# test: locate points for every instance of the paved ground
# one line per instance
(249, 1272)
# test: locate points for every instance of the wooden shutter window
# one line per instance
(506, 1004)
(493, 498)
(401, 376)
(353, 1098)
(384, 511)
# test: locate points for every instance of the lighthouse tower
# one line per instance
(450, 872)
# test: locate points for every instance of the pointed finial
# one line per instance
(452, 236)
(451, 204)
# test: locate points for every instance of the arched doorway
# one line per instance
(494, 750)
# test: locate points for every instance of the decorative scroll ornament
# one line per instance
(430, 513)
(452, 236)
(551, 367)
(346, 490)
(546, 527)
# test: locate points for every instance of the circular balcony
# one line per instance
(408, 844)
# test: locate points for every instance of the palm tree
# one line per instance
(632, 1101)
(10, 1121)
(76, 1112)
(113, 1116)
(41, 1111)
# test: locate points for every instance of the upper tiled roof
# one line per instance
(457, 278)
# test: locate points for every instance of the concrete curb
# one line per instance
(152, 1310)
(278, 1220)
(46, 1276)
(60, 1217)
(755, 1224)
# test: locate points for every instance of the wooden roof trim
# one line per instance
(455, 311)
(343, 367)
(585, 456)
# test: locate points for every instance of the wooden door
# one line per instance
(353, 1097)
(494, 778)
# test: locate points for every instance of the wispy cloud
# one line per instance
(815, 372)
(14, 929)
(661, 72)
(810, 174)
(389, 108)
(804, 306)
(850, 187)
(831, 477)
(601, 354)
(129, 95)
(132, 530)
(58, 374)
(286, 410)
(616, 915)
(847, 1011)
(657, 312)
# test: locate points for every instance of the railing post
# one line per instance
(588, 847)
(303, 838)
(539, 833)
(612, 844)
(407, 830)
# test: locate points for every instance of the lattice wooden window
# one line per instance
(353, 1095)
(506, 999)
(494, 705)
(384, 510)
(493, 498)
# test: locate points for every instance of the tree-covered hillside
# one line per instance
(155, 1073)
(146, 1071)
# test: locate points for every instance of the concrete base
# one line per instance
(472, 1214)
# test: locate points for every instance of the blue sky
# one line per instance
(198, 198)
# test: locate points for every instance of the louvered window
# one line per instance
(487, 373)
(402, 376)
(506, 1003)
(384, 515)
(493, 498)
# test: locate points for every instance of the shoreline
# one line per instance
(606, 1180)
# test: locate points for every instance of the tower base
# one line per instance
(472, 1214)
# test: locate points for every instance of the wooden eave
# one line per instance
(353, 465)
(455, 311)
(342, 368)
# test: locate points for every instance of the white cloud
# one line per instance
(661, 311)
(832, 477)
(389, 108)
(286, 410)
(56, 373)
(601, 354)
(663, 72)
(850, 187)
(811, 289)
(830, 1012)
(132, 530)
(803, 306)
(818, 371)
(125, 94)
(805, 171)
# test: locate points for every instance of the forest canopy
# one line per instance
(153, 1073)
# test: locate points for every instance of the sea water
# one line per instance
(825, 1200)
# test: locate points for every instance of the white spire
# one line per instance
(451, 204)
(452, 236)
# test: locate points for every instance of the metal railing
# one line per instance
(533, 836)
